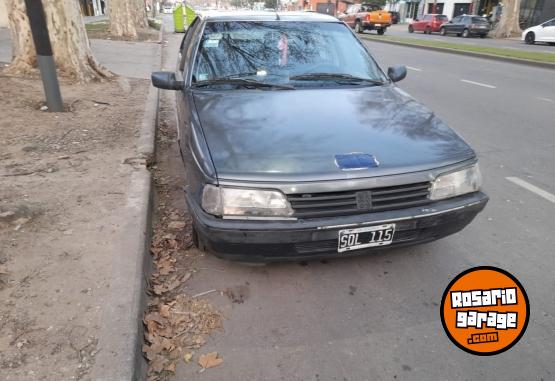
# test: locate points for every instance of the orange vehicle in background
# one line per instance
(363, 17)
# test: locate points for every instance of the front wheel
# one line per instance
(443, 32)
(358, 27)
(381, 31)
(530, 38)
(428, 30)
(411, 29)
(466, 33)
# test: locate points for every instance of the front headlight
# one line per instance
(222, 201)
(456, 183)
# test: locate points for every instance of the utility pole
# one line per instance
(47, 67)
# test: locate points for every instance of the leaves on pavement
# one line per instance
(209, 360)
(176, 324)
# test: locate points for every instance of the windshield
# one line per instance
(283, 53)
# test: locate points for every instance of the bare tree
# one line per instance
(70, 44)
(127, 17)
(508, 26)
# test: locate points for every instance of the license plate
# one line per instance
(360, 238)
(377, 24)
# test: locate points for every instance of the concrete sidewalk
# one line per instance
(125, 58)
(74, 220)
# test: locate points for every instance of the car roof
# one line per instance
(265, 16)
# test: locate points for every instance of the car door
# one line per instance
(548, 31)
(420, 24)
(350, 15)
(450, 27)
(461, 25)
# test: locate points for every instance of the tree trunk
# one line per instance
(70, 44)
(127, 17)
(509, 24)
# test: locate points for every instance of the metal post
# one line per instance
(47, 67)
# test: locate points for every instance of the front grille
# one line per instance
(329, 204)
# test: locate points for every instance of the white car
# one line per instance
(540, 33)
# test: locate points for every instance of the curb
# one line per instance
(120, 356)
(545, 65)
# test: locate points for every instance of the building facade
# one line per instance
(93, 7)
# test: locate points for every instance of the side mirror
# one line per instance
(166, 80)
(397, 73)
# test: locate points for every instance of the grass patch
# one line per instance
(510, 53)
(99, 26)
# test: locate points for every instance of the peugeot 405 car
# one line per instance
(297, 145)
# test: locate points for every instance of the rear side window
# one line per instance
(478, 20)
(441, 18)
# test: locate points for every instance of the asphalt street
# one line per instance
(401, 30)
(377, 317)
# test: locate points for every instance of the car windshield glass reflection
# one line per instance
(280, 53)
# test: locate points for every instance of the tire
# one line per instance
(381, 31)
(428, 30)
(483, 35)
(530, 38)
(358, 27)
(442, 31)
(551, 43)
(411, 29)
(466, 33)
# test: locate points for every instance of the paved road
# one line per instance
(377, 317)
(400, 30)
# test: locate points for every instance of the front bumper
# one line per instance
(273, 241)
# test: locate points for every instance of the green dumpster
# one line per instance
(189, 15)
(178, 22)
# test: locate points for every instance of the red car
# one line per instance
(428, 23)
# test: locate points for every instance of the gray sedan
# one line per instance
(297, 145)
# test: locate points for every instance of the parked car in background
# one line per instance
(428, 23)
(540, 33)
(363, 17)
(167, 8)
(297, 145)
(395, 17)
(466, 26)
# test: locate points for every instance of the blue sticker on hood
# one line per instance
(354, 161)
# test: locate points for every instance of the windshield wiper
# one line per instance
(338, 77)
(242, 82)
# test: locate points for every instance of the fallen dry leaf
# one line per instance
(209, 360)
(176, 225)
(165, 310)
(3, 269)
(187, 357)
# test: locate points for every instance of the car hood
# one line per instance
(292, 135)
